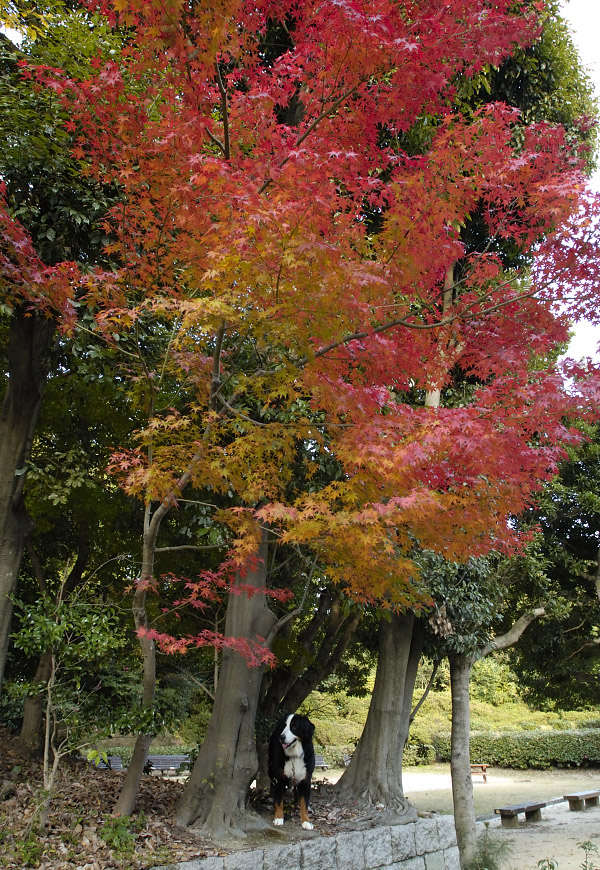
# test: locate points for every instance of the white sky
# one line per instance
(584, 19)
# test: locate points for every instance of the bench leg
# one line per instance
(576, 804)
(591, 802)
(510, 821)
(533, 816)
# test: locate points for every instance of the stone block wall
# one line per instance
(427, 844)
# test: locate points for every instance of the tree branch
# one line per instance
(426, 691)
(293, 613)
(226, 143)
(513, 634)
(324, 114)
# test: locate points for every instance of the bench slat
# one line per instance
(167, 762)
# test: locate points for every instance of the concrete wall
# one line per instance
(427, 844)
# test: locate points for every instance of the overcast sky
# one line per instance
(584, 18)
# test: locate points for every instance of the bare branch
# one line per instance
(514, 632)
(293, 613)
(225, 110)
(189, 547)
(426, 691)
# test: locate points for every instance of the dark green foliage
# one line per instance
(467, 599)
(417, 752)
(558, 662)
(57, 204)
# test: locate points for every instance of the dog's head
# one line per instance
(295, 729)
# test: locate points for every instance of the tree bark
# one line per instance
(131, 783)
(289, 686)
(460, 761)
(30, 736)
(461, 665)
(374, 775)
(216, 793)
(28, 348)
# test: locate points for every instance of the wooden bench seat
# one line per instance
(509, 816)
(167, 762)
(480, 768)
(581, 800)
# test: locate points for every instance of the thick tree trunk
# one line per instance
(374, 776)
(28, 347)
(30, 737)
(289, 686)
(216, 793)
(462, 783)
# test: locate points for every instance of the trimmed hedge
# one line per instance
(522, 749)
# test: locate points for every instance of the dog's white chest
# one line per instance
(295, 769)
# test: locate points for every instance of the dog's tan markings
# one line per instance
(279, 813)
(303, 810)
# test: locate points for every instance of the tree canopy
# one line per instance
(280, 285)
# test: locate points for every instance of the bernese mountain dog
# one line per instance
(291, 763)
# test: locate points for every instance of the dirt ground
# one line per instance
(555, 837)
(80, 835)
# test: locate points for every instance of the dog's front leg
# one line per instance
(278, 820)
(306, 824)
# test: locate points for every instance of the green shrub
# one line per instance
(493, 681)
(522, 749)
(194, 727)
(434, 717)
(416, 752)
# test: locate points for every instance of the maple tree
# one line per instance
(250, 143)
(385, 735)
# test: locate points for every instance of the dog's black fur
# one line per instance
(292, 763)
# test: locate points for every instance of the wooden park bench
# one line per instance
(480, 768)
(581, 800)
(165, 763)
(320, 762)
(115, 762)
(509, 816)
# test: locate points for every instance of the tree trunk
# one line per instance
(30, 737)
(374, 776)
(460, 760)
(216, 793)
(289, 686)
(28, 347)
(131, 783)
